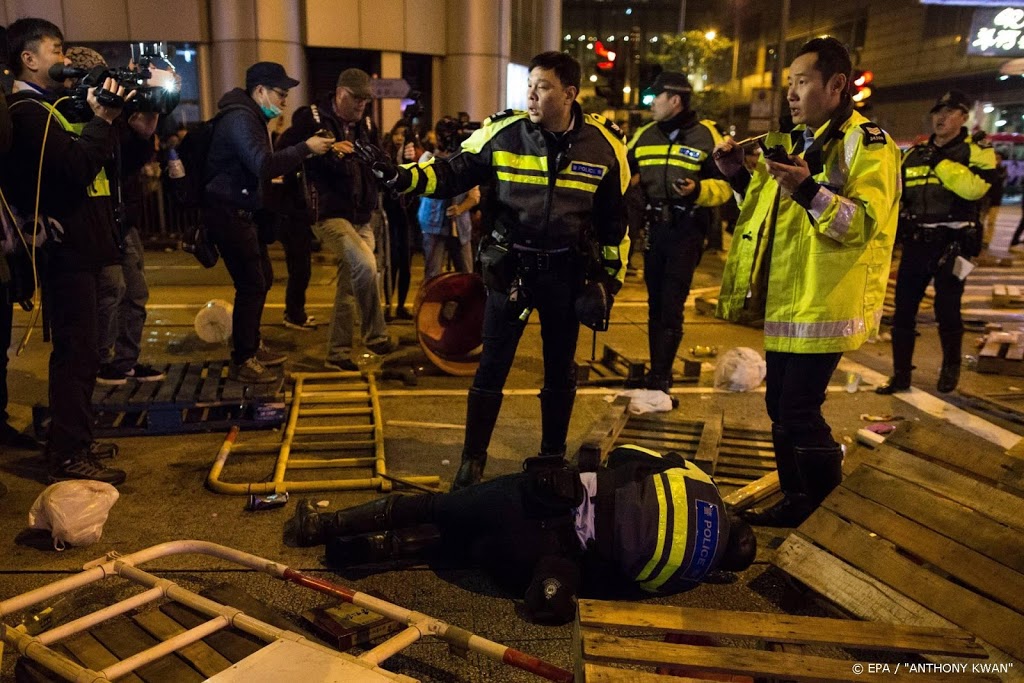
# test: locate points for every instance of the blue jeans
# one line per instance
(356, 286)
(123, 294)
(436, 247)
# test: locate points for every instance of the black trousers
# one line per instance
(507, 524)
(297, 240)
(795, 391)
(401, 251)
(553, 293)
(920, 265)
(672, 256)
(74, 360)
(246, 258)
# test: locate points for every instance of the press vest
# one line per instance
(950, 191)
(826, 268)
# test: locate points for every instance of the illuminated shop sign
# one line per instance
(997, 32)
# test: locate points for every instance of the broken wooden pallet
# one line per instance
(1003, 353)
(1007, 296)
(634, 634)
(935, 538)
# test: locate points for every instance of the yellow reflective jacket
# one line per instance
(823, 269)
(661, 161)
(551, 192)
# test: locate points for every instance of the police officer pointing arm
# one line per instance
(558, 245)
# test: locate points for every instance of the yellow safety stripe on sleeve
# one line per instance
(674, 516)
(519, 162)
(488, 130)
(689, 165)
(521, 178)
(618, 147)
(576, 185)
(983, 158)
(619, 272)
(640, 131)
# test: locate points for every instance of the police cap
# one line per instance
(954, 99)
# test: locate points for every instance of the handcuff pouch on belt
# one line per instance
(497, 267)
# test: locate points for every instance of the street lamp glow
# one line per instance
(590, 46)
(1000, 123)
(593, 78)
(654, 39)
(581, 38)
(988, 109)
(710, 35)
(611, 39)
(627, 90)
(568, 36)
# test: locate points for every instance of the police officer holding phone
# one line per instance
(670, 159)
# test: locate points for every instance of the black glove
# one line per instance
(381, 165)
(594, 305)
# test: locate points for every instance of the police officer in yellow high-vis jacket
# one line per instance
(76, 207)
(646, 520)
(810, 257)
(558, 244)
(670, 159)
(945, 180)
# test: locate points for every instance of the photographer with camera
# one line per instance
(445, 223)
(76, 212)
(945, 181)
(123, 291)
(560, 227)
(670, 159)
(239, 165)
(345, 196)
(810, 257)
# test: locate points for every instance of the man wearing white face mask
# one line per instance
(240, 162)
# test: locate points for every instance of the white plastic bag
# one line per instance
(740, 369)
(645, 401)
(73, 511)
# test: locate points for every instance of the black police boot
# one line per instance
(482, 410)
(949, 375)
(314, 528)
(555, 413)
(664, 345)
(821, 468)
(382, 546)
(902, 362)
(795, 504)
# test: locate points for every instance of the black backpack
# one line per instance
(189, 191)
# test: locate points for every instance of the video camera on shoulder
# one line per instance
(156, 90)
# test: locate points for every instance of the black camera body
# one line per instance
(148, 98)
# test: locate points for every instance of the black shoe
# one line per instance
(949, 377)
(251, 371)
(790, 512)
(900, 381)
(268, 358)
(11, 437)
(343, 365)
(381, 546)
(382, 347)
(308, 529)
(471, 471)
(402, 313)
(84, 466)
(141, 372)
(109, 377)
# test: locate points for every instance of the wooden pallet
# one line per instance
(194, 397)
(1003, 353)
(929, 537)
(1007, 296)
(608, 633)
(615, 368)
(733, 456)
(1006, 404)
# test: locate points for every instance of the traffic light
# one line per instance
(605, 57)
(861, 89)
